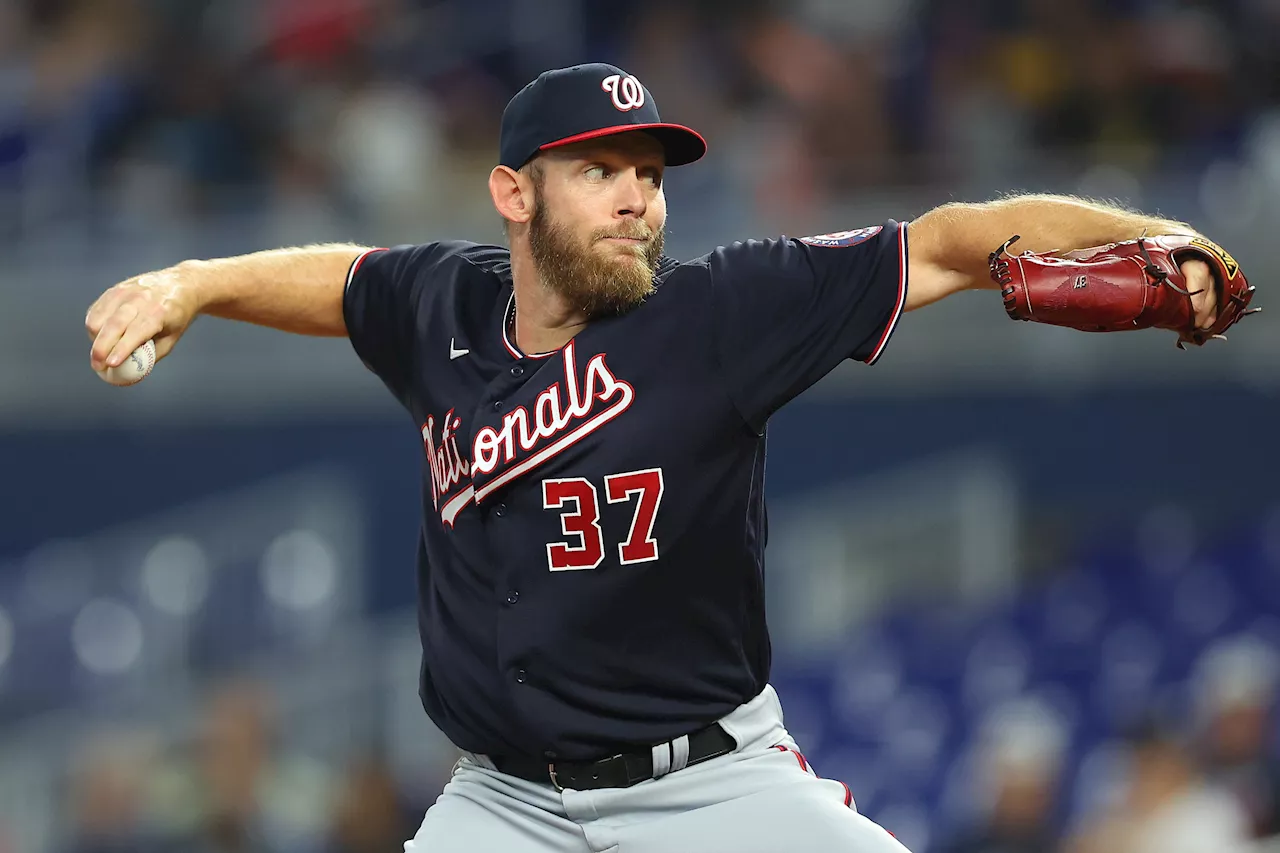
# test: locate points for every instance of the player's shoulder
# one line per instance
(751, 248)
(468, 258)
(435, 268)
(770, 256)
(680, 280)
(732, 257)
(668, 266)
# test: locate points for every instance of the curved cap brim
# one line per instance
(683, 145)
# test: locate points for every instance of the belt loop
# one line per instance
(555, 781)
(679, 753)
(661, 760)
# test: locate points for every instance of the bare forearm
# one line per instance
(950, 244)
(296, 290)
(1045, 223)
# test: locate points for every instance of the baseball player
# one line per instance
(593, 416)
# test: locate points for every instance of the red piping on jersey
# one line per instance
(848, 795)
(355, 265)
(902, 296)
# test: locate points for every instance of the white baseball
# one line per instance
(134, 368)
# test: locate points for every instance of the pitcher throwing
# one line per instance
(593, 415)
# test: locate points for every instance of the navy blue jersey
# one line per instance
(590, 568)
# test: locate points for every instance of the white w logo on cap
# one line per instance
(627, 93)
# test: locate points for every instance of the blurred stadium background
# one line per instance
(1024, 583)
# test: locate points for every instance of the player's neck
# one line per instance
(544, 320)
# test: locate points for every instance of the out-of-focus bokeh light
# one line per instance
(107, 637)
(299, 570)
(175, 575)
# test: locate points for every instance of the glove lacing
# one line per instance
(998, 262)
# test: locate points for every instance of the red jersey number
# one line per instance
(580, 518)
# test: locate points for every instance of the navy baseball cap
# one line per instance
(586, 102)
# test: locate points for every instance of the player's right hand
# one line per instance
(155, 306)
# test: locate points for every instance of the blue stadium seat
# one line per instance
(1103, 644)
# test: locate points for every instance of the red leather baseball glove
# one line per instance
(1136, 284)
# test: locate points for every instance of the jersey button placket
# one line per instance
(517, 371)
(521, 676)
(513, 596)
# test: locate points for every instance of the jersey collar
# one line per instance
(508, 318)
(665, 265)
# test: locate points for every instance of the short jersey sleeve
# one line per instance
(787, 311)
(381, 304)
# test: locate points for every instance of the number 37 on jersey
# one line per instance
(577, 499)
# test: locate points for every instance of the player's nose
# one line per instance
(631, 199)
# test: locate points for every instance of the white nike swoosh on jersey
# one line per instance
(454, 352)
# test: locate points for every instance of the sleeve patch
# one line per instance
(842, 239)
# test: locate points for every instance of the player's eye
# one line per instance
(596, 172)
(653, 176)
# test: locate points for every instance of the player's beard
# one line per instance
(595, 283)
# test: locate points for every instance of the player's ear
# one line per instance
(512, 194)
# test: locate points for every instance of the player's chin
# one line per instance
(630, 263)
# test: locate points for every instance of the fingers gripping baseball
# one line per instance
(154, 306)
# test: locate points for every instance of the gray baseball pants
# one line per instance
(761, 798)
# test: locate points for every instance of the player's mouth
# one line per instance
(627, 241)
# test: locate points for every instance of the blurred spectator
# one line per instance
(195, 108)
(244, 793)
(108, 797)
(386, 148)
(368, 815)
(1197, 96)
(313, 33)
(1168, 806)
(1020, 763)
(1235, 681)
(386, 112)
(74, 103)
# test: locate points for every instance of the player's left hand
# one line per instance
(1204, 292)
(1174, 281)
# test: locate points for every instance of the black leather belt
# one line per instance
(620, 771)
